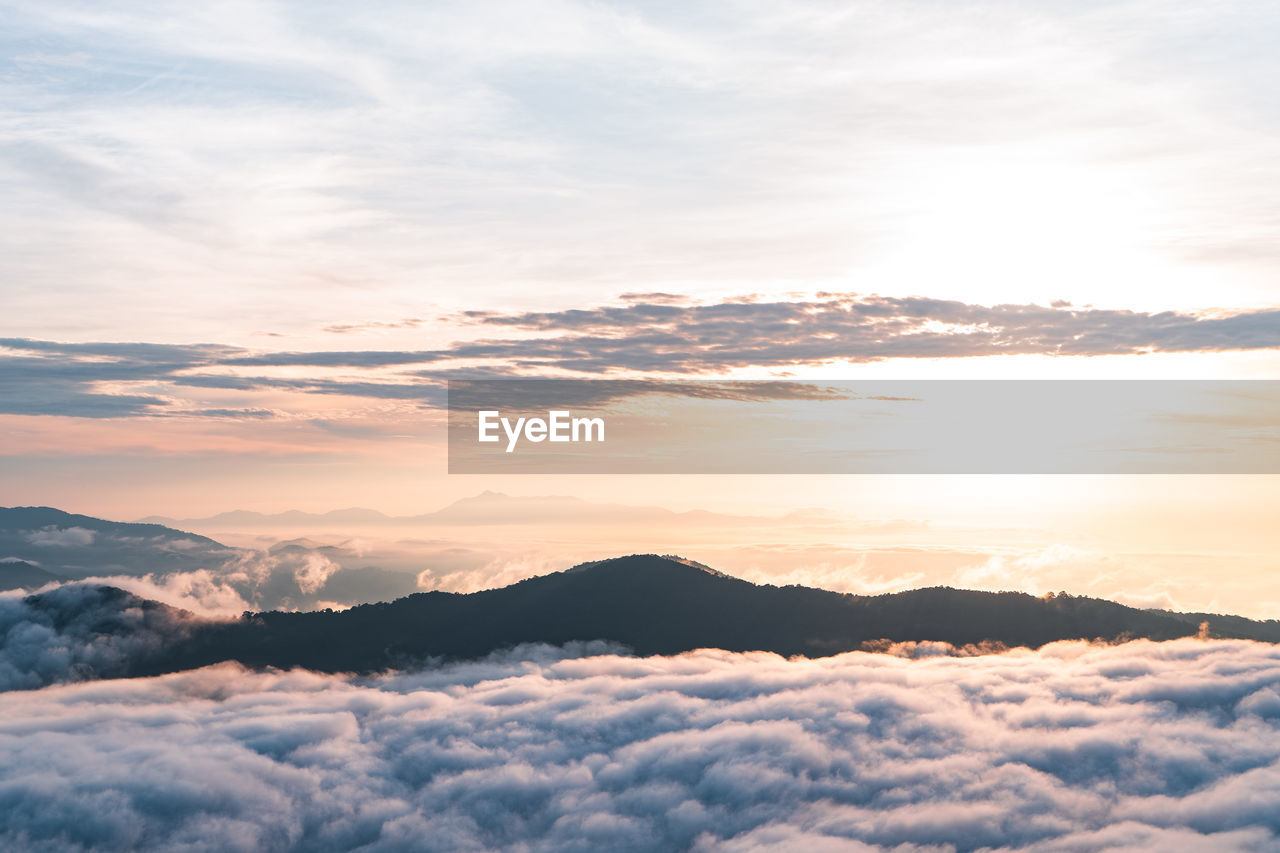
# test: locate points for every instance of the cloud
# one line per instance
(497, 572)
(313, 572)
(93, 380)
(526, 394)
(1142, 746)
(852, 327)
(655, 297)
(294, 576)
(661, 335)
(53, 536)
(192, 572)
(634, 146)
(203, 593)
(346, 328)
(78, 631)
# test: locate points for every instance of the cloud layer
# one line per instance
(124, 379)
(740, 333)
(1076, 747)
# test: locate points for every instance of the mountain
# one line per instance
(19, 574)
(1229, 626)
(486, 508)
(248, 518)
(79, 546)
(664, 605)
(39, 545)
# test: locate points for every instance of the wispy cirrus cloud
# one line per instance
(348, 328)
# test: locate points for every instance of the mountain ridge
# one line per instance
(658, 605)
(35, 517)
(23, 574)
(487, 507)
(71, 546)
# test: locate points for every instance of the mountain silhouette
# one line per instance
(19, 574)
(665, 605)
(486, 508)
(40, 541)
(80, 546)
(244, 517)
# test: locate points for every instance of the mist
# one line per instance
(1139, 746)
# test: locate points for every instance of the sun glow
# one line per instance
(1007, 225)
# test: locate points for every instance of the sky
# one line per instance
(243, 245)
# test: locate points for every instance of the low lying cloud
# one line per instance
(53, 536)
(80, 632)
(497, 572)
(206, 594)
(194, 573)
(283, 575)
(1142, 746)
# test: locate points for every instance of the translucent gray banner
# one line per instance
(570, 426)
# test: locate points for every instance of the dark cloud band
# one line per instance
(648, 333)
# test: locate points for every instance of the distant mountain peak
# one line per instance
(24, 574)
(644, 562)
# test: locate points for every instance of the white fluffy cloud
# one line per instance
(1142, 746)
(53, 536)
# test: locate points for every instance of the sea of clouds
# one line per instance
(1074, 747)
